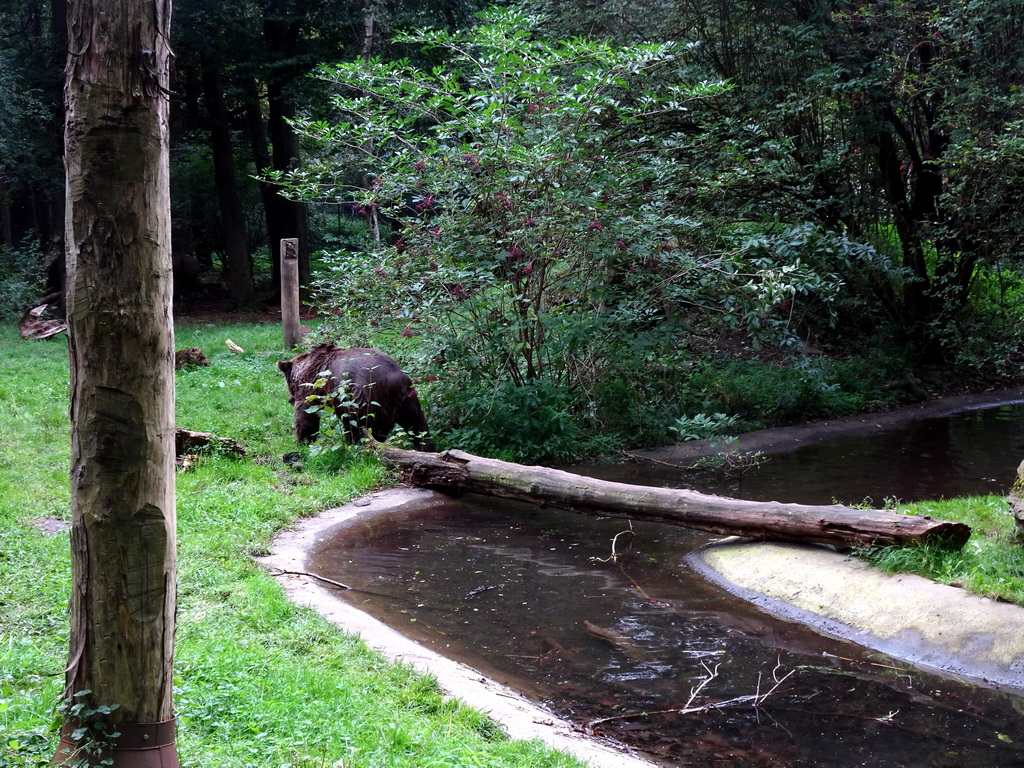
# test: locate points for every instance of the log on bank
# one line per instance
(832, 524)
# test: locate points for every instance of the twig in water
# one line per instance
(641, 459)
(754, 700)
(337, 584)
(614, 556)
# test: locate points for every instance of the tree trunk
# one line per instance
(5, 217)
(282, 31)
(833, 524)
(121, 344)
(291, 214)
(258, 143)
(285, 218)
(236, 239)
(366, 53)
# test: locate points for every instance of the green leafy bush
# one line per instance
(761, 393)
(21, 278)
(701, 426)
(539, 255)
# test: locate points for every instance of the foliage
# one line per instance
(22, 108)
(833, 308)
(94, 731)
(732, 461)
(894, 130)
(890, 125)
(538, 243)
(259, 681)
(340, 427)
(21, 278)
(886, 126)
(701, 426)
(32, 60)
(766, 392)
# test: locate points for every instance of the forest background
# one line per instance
(583, 226)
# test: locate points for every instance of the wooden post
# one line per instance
(290, 292)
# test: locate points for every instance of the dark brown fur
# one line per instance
(381, 391)
(189, 358)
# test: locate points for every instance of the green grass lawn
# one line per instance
(990, 564)
(258, 681)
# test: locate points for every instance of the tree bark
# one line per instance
(121, 343)
(832, 524)
(290, 215)
(285, 218)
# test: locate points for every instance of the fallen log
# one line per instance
(769, 520)
(188, 442)
(35, 325)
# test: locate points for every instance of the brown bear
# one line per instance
(382, 393)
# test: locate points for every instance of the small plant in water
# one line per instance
(733, 462)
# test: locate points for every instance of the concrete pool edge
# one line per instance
(523, 719)
(934, 627)
(937, 628)
(520, 718)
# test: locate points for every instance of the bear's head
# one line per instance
(306, 424)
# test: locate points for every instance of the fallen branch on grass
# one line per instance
(332, 582)
(187, 441)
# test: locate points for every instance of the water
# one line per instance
(970, 453)
(532, 597)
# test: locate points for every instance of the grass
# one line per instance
(990, 564)
(258, 681)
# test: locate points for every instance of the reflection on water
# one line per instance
(533, 598)
(971, 453)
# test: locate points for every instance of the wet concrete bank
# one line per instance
(932, 626)
(936, 628)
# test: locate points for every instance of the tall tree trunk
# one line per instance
(366, 53)
(259, 143)
(236, 240)
(291, 214)
(54, 237)
(5, 216)
(281, 31)
(121, 343)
